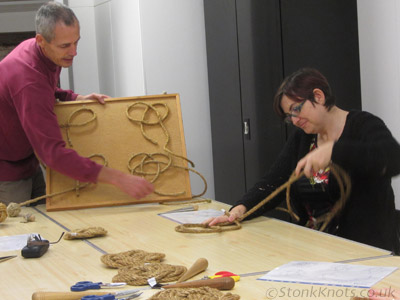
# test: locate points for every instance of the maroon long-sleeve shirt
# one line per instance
(28, 124)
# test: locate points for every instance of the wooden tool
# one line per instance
(223, 283)
(199, 266)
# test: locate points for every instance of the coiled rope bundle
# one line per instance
(193, 294)
(85, 233)
(342, 178)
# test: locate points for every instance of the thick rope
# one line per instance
(138, 275)
(149, 159)
(159, 121)
(69, 123)
(344, 183)
(193, 294)
(85, 233)
(131, 258)
(14, 209)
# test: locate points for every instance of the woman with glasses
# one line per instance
(357, 141)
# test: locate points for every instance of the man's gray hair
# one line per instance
(49, 15)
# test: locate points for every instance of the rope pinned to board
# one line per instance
(341, 176)
(69, 123)
(13, 209)
(193, 294)
(164, 161)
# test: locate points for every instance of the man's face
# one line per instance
(63, 47)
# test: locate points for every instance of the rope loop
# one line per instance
(69, 123)
(342, 178)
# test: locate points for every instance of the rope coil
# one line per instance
(342, 178)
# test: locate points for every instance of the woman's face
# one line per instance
(305, 115)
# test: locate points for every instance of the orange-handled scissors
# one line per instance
(225, 274)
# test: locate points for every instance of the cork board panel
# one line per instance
(116, 132)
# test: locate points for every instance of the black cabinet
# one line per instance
(251, 46)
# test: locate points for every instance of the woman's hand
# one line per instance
(235, 213)
(316, 160)
(93, 96)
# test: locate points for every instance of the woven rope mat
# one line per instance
(138, 275)
(131, 258)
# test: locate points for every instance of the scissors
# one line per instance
(90, 285)
(4, 258)
(225, 274)
(110, 297)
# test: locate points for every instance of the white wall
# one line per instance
(379, 38)
(174, 57)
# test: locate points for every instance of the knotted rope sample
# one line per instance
(85, 233)
(138, 275)
(3, 212)
(341, 176)
(161, 162)
(132, 257)
(193, 294)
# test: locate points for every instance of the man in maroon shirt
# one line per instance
(28, 126)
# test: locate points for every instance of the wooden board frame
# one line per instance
(114, 133)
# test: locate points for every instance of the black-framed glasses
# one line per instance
(294, 112)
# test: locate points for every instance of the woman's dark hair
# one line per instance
(299, 86)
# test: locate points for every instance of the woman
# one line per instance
(357, 141)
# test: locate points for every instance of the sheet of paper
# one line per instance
(324, 273)
(13, 242)
(192, 217)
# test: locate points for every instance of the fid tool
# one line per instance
(223, 283)
(36, 247)
(199, 266)
(90, 285)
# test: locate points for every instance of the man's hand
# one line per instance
(93, 96)
(135, 186)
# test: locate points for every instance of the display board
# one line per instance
(139, 135)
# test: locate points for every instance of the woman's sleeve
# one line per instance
(368, 149)
(277, 175)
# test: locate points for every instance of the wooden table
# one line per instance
(261, 245)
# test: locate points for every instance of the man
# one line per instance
(28, 126)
